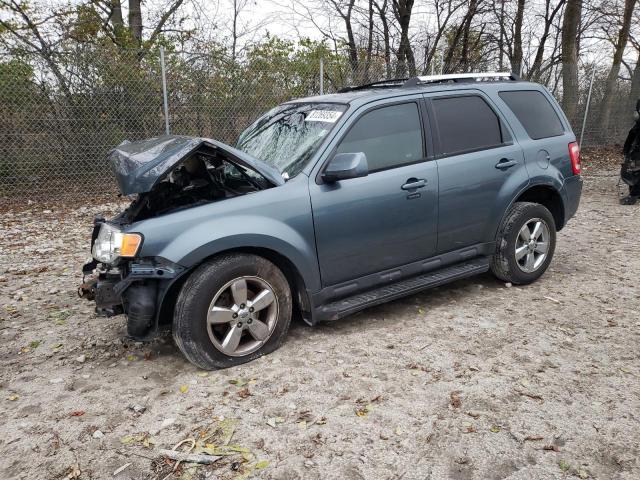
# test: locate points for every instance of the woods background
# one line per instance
(79, 77)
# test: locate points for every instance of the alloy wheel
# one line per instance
(532, 245)
(242, 316)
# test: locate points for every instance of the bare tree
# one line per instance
(445, 11)
(612, 78)
(549, 15)
(405, 57)
(131, 34)
(344, 9)
(516, 60)
(381, 8)
(570, 29)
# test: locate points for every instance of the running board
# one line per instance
(347, 306)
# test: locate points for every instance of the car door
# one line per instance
(479, 167)
(388, 218)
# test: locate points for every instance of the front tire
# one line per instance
(231, 310)
(525, 245)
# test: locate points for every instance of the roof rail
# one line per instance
(391, 82)
(461, 77)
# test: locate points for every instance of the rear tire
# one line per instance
(231, 310)
(525, 244)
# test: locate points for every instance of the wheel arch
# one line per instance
(547, 196)
(297, 284)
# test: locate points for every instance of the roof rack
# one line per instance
(415, 81)
(391, 82)
(461, 77)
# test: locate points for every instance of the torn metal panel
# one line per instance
(138, 166)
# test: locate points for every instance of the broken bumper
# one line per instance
(103, 289)
(136, 289)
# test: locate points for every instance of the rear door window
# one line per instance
(534, 112)
(389, 137)
(466, 124)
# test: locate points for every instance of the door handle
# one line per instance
(505, 163)
(414, 183)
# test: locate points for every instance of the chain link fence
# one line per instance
(58, 121)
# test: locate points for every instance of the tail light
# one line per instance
(574, 154)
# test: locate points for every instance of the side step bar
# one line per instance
(347, 306)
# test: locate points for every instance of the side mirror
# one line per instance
(346, 165)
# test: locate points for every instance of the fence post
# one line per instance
(164, 92)
(586, 110)
(321, 76)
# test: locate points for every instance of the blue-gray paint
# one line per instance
(336, 232)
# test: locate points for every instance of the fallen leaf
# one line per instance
(74, 472)
(77, 413)
(455, 401)
(364, 411)
(128, 440)
(244, 393)
(238, 382)
(13, 398)
(274, 421)
(262, 464)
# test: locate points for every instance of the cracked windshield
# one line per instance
(287, 136)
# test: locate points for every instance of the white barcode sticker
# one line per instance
(330, 116)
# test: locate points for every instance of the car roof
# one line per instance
(366, 95)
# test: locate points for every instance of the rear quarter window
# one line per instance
(535, 113)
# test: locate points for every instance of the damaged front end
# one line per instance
(164, 175)
(135, 288)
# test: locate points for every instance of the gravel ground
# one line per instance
(474, 380)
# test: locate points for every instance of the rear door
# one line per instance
(479, 167)
(545, 140)
(388, 218)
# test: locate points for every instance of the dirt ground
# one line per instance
(475, 380)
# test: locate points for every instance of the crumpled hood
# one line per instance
(138, 166)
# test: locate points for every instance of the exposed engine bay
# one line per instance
(205, 176)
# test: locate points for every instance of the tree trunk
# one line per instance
(610, 86)
(402, 10)
(117, 22)
(135, 21)
(351, 41)
(369, 43)
(570, 28)
(516, 62)
(501, 39)
(464, 55)
(387, 41)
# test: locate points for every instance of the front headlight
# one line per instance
(112, 243)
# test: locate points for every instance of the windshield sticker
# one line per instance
(330, 116)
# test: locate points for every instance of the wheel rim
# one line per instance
(242, 316)
(532, 245)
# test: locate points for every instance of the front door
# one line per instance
(388, 218)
